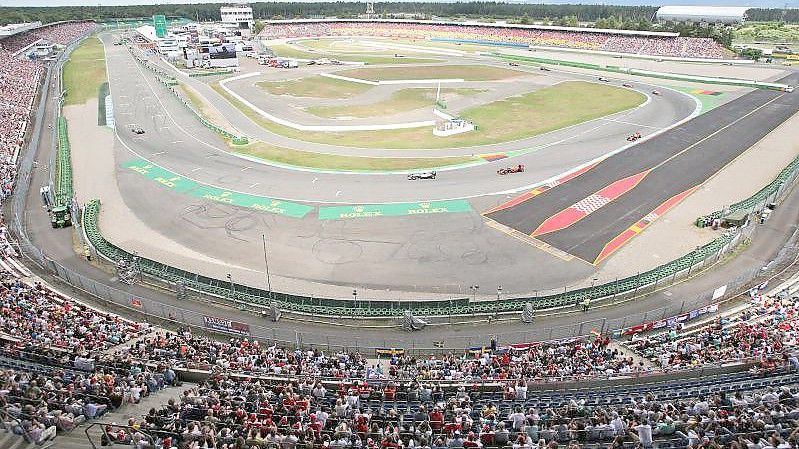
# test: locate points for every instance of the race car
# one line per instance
(137, 130)
(627, 85)
(422, 175)
(508, 170)
(603, 79)
(656, 92)
(513, 64)
(544, 69)
(634, 137)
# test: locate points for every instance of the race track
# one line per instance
(437, 252)
(585, 215)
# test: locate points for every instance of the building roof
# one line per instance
(16, 28)
(704, 11)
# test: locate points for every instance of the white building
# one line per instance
(727, 15)
(240, 15)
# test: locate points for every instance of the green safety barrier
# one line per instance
(63, 167)
(630, 71)
(62, 196)
(243, 295)
(783, 178)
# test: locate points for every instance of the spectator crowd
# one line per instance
(63, 363)
(20, 79)
(585, 40)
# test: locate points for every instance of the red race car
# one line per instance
(634, 137)
(508, 170)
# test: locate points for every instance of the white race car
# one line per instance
(422, 175)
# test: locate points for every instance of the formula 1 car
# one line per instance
(627, 85)
(603, 79)
(634, 137)
(422, 175)
(508, 170)
(656, 92)
(137, 130)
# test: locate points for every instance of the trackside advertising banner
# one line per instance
(225, 325)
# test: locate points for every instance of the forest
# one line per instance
(624, 16)
(599, 16)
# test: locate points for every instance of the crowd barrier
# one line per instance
(647, 73)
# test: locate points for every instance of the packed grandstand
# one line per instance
(66, 363)
(656, 45)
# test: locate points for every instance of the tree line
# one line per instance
(274, 10)
(600, 16)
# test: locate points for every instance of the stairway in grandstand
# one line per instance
(77, 438)
(9, 440)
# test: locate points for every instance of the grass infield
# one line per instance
(466, 72)
(315, 86)
(514, 118)
(287, 51)
(84, 72)
(400, 101)
(323, 161)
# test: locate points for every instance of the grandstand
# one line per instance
(723, 375)
(617, 41)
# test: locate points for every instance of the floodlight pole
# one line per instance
(266, 262)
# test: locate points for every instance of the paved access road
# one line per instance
(598, 208)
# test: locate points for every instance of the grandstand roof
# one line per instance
(16, 28)
(488, 24)
(711, 14)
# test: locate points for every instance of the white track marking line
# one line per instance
(246, 168)
(630, 123)
(195, 169)
(254, 185)
(504, 192)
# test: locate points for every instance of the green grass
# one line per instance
(194, 99)
(466, 72)
(514, 118)
(335, 46)
(309, 159)
(84, 72)
(768, 32)
(314, 86)
(288, 51)
(442, 45)
(400, 101)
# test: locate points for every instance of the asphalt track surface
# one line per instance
(425, 254)
(57, 244)
(676, 161)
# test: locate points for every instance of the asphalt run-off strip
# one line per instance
(193, 188)
(393, 209)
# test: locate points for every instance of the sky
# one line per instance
(752, 3)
